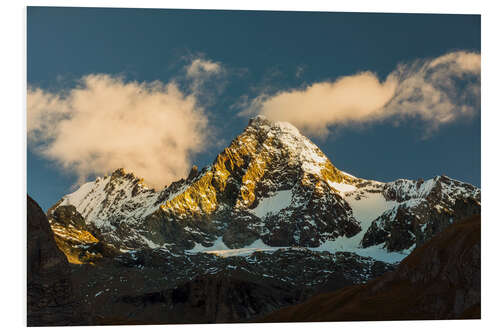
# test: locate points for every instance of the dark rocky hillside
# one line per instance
(204, 288)
(439, 280)
(51, 297)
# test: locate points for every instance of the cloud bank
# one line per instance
(436, 91)
(105, 123)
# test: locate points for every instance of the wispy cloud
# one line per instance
(436, 91)
(199, 67)
(104, 123)
(200, 70)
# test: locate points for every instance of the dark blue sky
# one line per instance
(260, 49)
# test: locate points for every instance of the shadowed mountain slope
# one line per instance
(51, 298)
(438, 280)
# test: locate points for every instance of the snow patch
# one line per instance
(150, 243)
(287, 127)
(78, 196)
(368, 207)
(341, 187)
(377, 252)
(272, 205)
(257, 246)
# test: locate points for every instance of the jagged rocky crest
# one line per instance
(271, 187)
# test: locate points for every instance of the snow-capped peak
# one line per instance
(262, 124)
(282, 138)
(107, 195)
(271, 184)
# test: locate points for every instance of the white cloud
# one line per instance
(105, 123)
(437, 91)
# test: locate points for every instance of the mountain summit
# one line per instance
(271, 187)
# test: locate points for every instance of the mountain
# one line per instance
(271, 187)
(270, 223)
(439, 280)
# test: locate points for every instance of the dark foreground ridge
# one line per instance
(161, 287)
(438, 280)
(51, 298)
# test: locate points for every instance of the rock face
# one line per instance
(439, 280)
(51, 298)
(74, 239)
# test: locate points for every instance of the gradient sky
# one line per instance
(260, 51)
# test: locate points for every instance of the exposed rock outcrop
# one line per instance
(74, 239)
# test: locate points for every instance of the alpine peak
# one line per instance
(271, 185)
(261, 123)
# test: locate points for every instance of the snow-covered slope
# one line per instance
(422, 209)
(116, 206)
(272, 188)
(121, 195)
